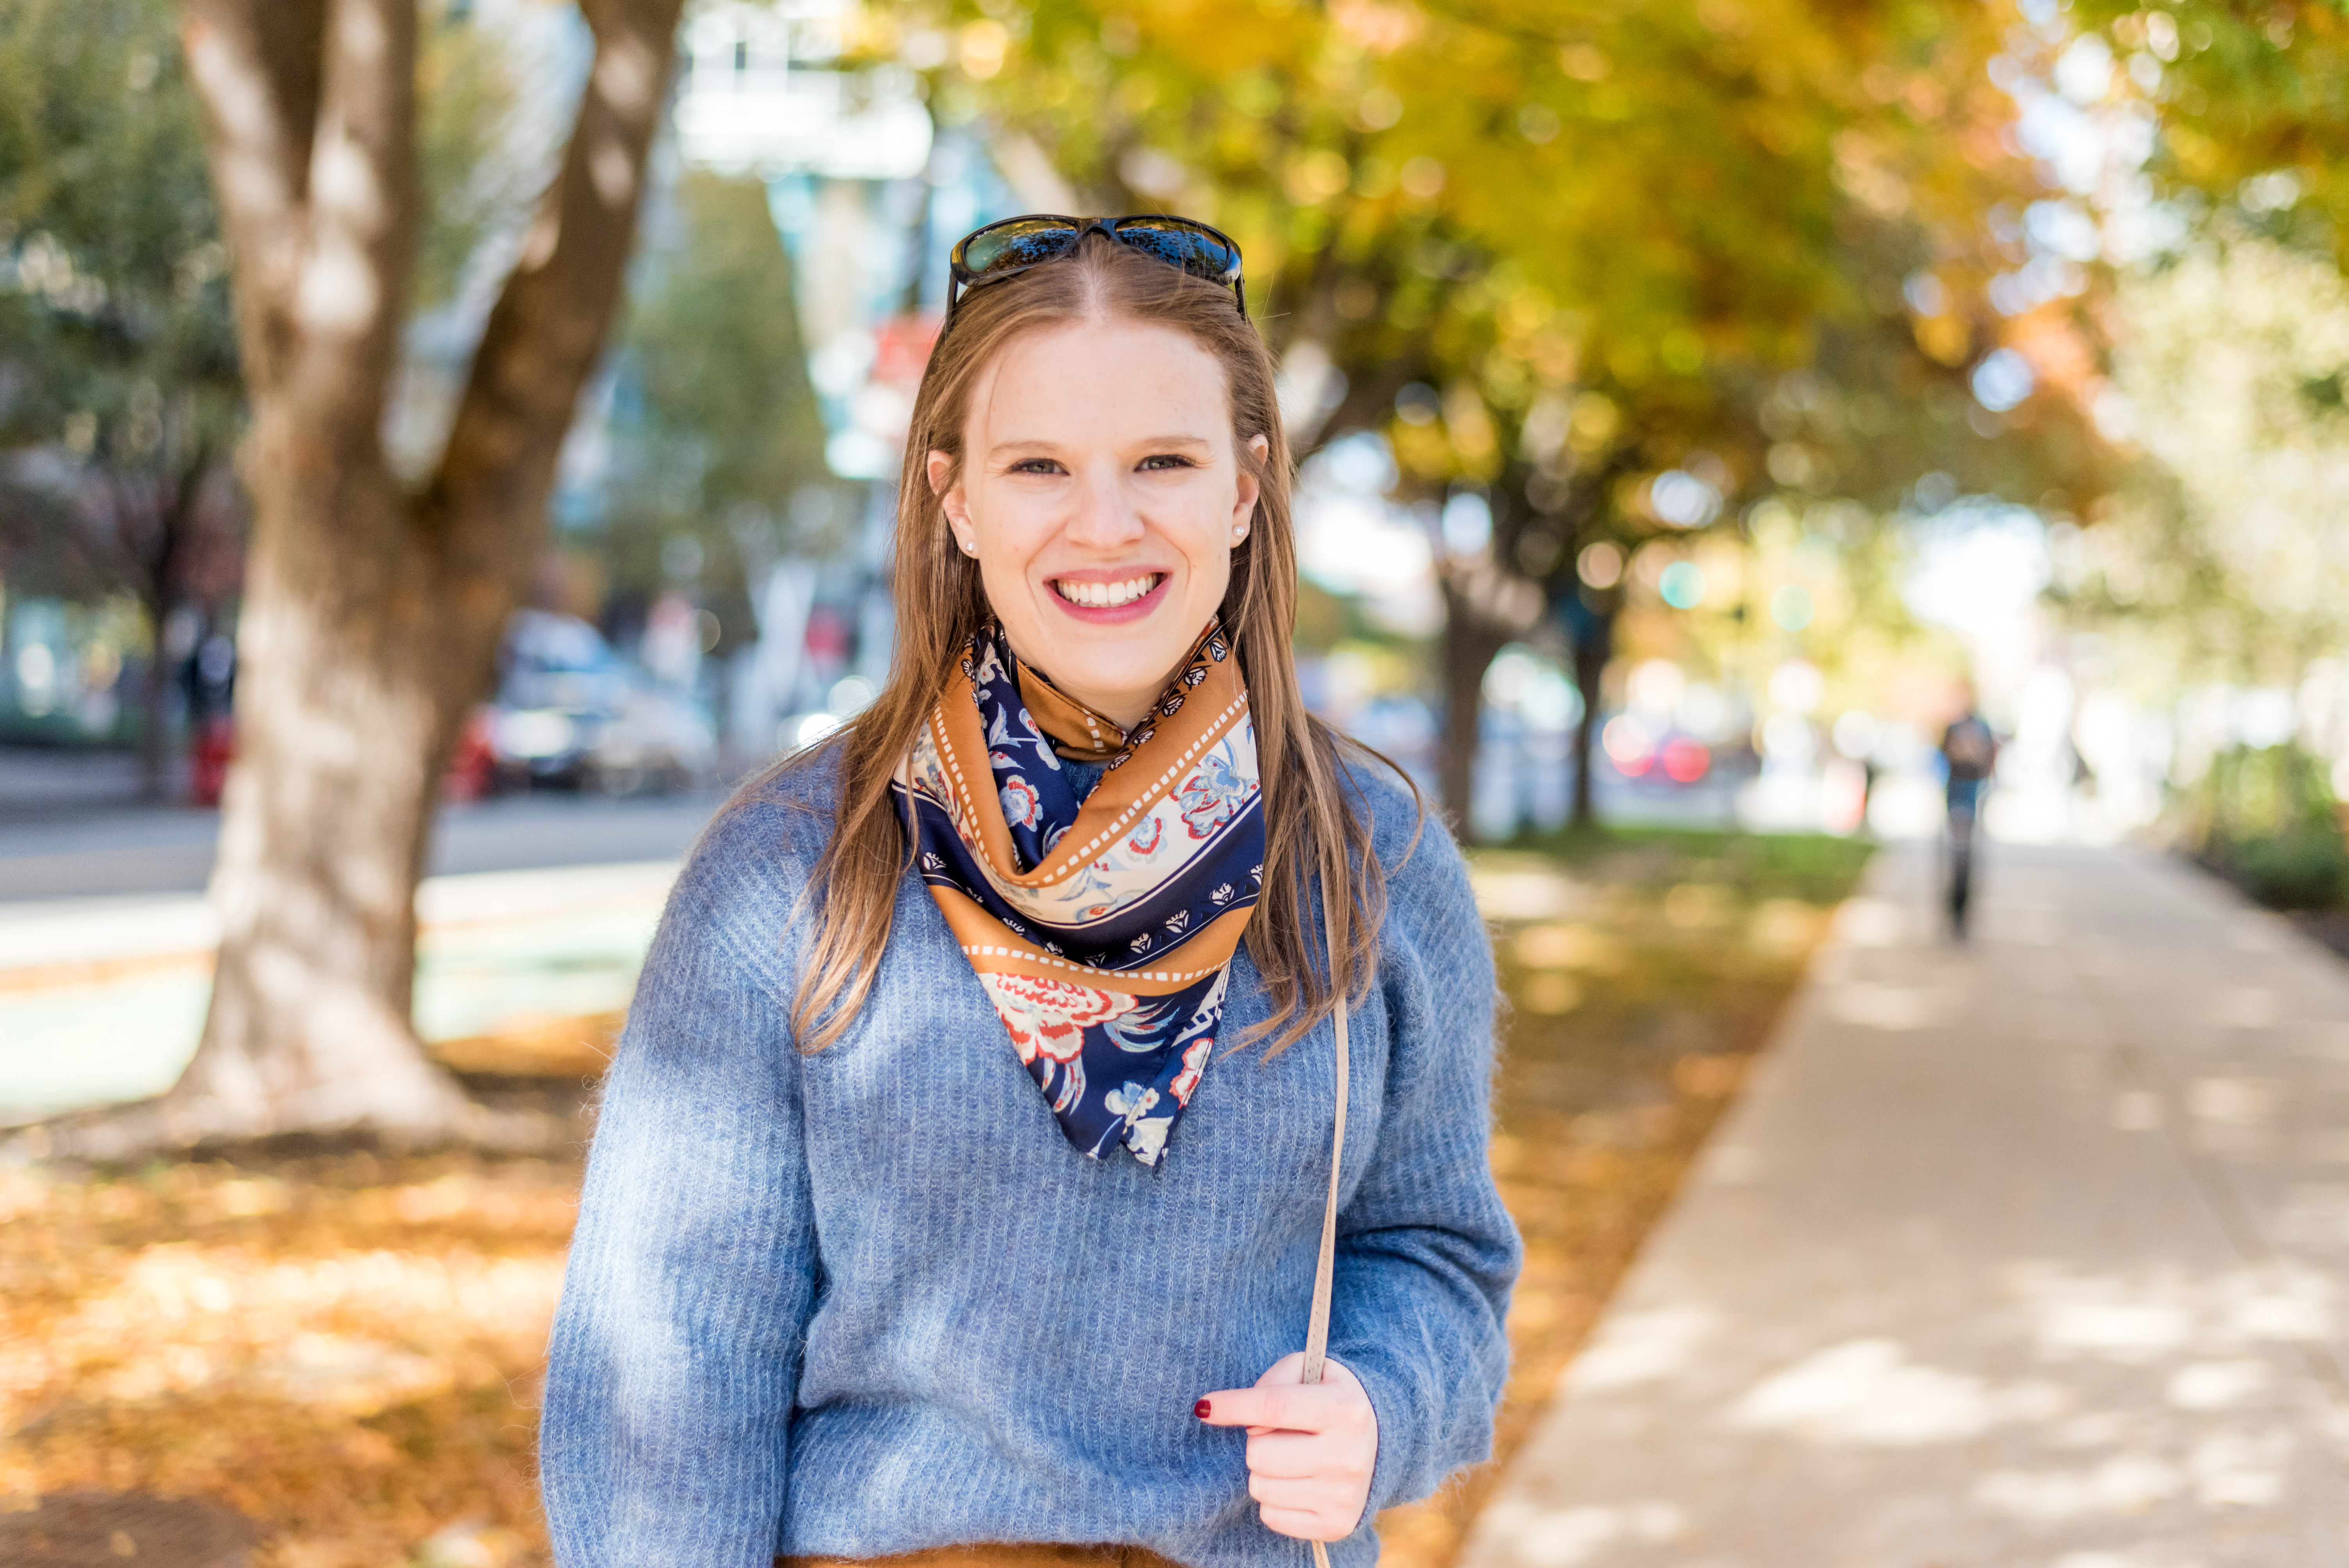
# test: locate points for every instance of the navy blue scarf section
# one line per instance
(1110, 1004)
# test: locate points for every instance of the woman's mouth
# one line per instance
(1114, 595)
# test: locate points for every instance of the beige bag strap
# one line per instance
(1317, 1326)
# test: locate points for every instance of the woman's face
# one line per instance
(1102, 496)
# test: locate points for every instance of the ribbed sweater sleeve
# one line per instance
(1427, 1252)
(676, 1345)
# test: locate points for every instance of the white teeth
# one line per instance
(1108, 595)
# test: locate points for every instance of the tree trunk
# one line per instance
(344, 711)
(159, 564)
(1594, 644)
(371, 617)
(155, 711)
(170, 509)
(1470, 641)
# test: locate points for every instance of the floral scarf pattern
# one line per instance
(1101, 929)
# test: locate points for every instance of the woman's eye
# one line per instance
(1167, 460)
(1035, 466)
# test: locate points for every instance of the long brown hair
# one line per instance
(1311, 828)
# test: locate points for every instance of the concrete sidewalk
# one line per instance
(2028, 1255)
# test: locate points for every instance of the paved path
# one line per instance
(167, 849)
(2029, 1255)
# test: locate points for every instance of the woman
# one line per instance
(847, 1286)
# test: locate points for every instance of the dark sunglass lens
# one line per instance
(1199, 254)
(1017, 245)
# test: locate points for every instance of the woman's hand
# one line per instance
(1309, 1450)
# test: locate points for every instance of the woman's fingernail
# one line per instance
(1200, 1410)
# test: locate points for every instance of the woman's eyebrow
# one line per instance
(1037, 445)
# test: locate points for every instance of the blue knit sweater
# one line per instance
(869, 1301)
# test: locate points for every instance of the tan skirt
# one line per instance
(1022, 1556)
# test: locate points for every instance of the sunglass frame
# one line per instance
(962, 278)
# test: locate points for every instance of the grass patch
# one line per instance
(1814, 866)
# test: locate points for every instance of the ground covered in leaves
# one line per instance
(344, 1343)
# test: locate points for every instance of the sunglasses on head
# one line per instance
(1006, 249)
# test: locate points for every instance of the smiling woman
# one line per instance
(864, 1268)
(1104, 525)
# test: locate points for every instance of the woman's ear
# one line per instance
(940, 467)
(1249, 488)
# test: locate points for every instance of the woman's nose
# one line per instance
(1106, 517)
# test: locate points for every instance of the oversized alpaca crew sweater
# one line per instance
(870, 1300)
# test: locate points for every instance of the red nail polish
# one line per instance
(1200, 1410)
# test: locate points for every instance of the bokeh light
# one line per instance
(1682, 585)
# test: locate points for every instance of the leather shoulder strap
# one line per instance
(1317, 1327)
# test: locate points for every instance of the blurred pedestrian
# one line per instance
(1970, 752)
(208, 681)
(845, 1284)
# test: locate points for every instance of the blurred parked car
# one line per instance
(1654, 754)
(570, 712)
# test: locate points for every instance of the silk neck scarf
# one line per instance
(1102, 929)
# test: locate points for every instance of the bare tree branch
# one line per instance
(351, 298)
(548, 326)
(256, 69)
(1369, 397)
